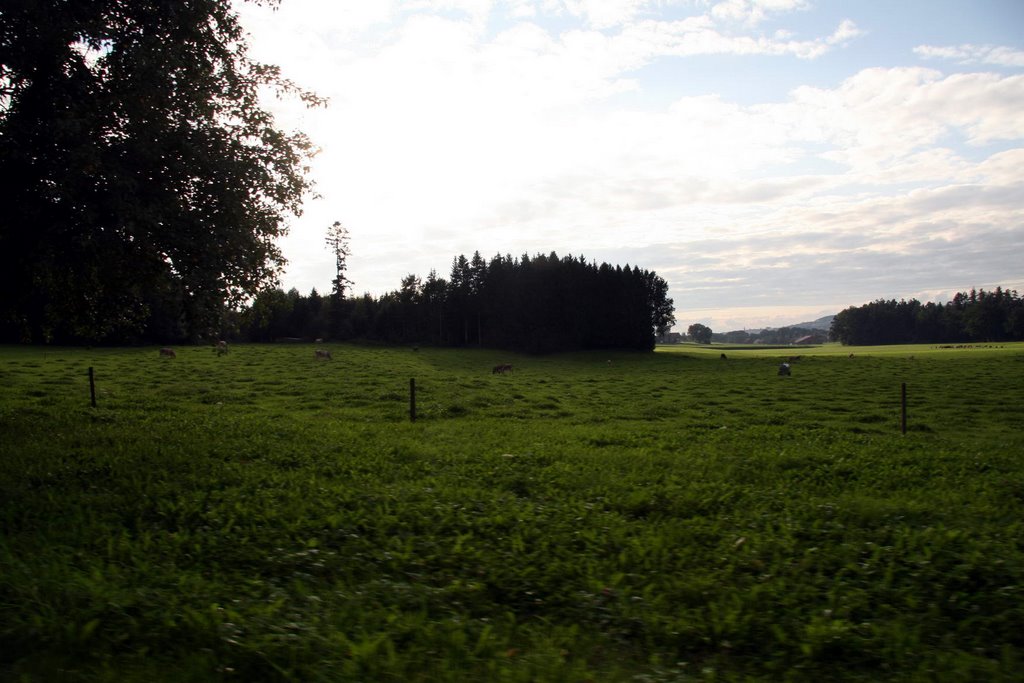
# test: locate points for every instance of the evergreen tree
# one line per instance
(338, 242)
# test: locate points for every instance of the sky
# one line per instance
(773, 160)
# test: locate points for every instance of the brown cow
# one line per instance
(322, 354)
(169, 353)
(501, 369)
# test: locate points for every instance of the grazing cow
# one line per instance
(501, 369)
(319, 341)
(322, 354)
(794, 358)
(222, 347)
(784, 370)
(169, 353)
(722, 356)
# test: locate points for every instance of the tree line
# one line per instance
(537, 304)
(779, 335)
(975, 316)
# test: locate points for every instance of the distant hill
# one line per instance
(787, 334)
(824, 323)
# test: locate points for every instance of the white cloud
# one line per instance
(292, 23)
(846, 31)
(880, 115)
(701, 36)
(601, 14)
(476, 11)
(753, 12)
(974, 54)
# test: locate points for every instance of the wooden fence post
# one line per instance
(412, 400)
(92, 387)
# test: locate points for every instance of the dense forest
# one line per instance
(975, 316)
(536, 304)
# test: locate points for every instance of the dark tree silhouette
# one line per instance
(975, 316)
(143, 185)
(538, 304)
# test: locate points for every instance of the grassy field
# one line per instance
(588, 517)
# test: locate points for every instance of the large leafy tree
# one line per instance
(699, 333)
(140, 178)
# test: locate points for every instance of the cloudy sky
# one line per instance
(773, 160)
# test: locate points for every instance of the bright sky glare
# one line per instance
(773, 160)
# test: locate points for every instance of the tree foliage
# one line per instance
(141, 180)
(975, 316)
(699, 333)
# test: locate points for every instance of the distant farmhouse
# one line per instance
(814, 338)
(813, 332)
(804, 334)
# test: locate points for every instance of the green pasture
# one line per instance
(837, 349)
(670, 516)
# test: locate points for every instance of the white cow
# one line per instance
(322, 354)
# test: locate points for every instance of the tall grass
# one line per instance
(608, 517)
